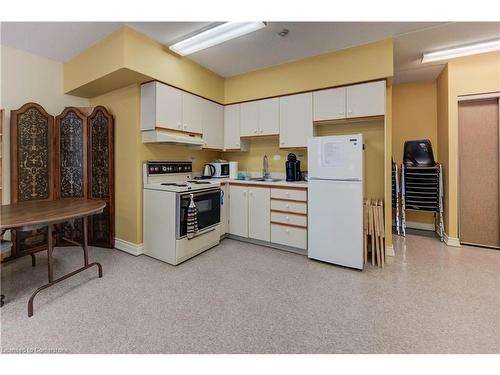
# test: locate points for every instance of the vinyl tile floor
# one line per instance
(244, 298)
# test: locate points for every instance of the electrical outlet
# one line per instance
(277, 157)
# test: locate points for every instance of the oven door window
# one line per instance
(208, 205)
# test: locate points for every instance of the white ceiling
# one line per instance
(63, 41)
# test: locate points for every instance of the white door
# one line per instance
(168, 107)
(296, 120)
(213, 125)
(335, 157)
(249, 119)
(366, 99)
(238, 210)
(329, 104)
(232, 127)
(259, 219)
(335, 222)
(269, 116)
(192, 109)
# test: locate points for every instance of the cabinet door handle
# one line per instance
(185, 126)
(251, 193)
(179, 125)
(244, 193)
(287, 206)
(287, 218)
(287, 230)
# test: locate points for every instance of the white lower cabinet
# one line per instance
(238, 210)
(259, 202)
(249, 209)
(289, 236)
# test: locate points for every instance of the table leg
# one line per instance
(33, 260)
(50, 248)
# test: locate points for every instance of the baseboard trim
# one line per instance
(389, 251)
(451, 241)
(128, 247)
(420, 226)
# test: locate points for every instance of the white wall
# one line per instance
(29, 78)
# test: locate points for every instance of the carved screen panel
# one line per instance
(31, 167)
(101, 175)
(71, 138)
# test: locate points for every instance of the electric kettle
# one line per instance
(208, 171)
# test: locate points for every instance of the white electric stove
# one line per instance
(168, 187)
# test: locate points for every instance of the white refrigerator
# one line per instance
(335, 199)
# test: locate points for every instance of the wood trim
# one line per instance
(294, 148)
(178, 88)
(287, 200)
(248, 184)
(482, 96)
(159, 128)
(259, 136)
(349, 120)
(212, 149)
(289, 225)
(289, 212)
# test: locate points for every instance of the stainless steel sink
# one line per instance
(265, 179)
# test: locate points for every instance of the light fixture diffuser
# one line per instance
(471, 49)
(216, 35)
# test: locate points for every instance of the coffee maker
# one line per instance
(292, 166)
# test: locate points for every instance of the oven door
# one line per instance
(208, 204)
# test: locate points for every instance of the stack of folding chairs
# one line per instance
(374, 231)
(421, 183)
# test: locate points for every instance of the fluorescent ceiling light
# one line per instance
(216, 35)
(472, 49)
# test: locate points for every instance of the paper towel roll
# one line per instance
(233, 170)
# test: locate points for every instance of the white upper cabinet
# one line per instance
(232, 128)
(213, 125)
(249, 119)
(329, 104)
(161, 106)
(366, 99)
(192, 113)
(260, 117)
(269, 116)
(296, 120)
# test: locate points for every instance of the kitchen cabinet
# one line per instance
(260, 117)
(232, 139)
(192, 113)
(249, 211)
(329, 104)
(366, 99)
(296, 120)
(238, 210)
(259, 201)
(213, 125)
(363, 100)
(161, 106)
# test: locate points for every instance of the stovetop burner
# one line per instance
(198, 182)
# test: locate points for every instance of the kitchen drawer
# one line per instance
(288, 206)
(280, 217)
(289, 236)
(291, 194)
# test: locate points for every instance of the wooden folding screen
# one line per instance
(73, 158)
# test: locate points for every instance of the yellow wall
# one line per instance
(414, 116)
(130, 153)
(128, 56)
(469, 75)
(362, 63)
(388, 164)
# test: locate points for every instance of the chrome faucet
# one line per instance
(265, 168)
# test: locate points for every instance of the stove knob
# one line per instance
(164, 168)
